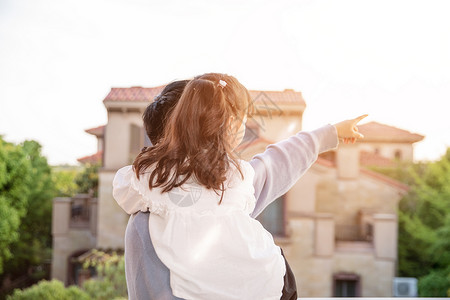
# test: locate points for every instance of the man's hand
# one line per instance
(348, 131)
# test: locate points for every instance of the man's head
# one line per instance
(158, 112)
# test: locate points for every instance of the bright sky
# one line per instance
(387, 58)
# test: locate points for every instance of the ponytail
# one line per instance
(196, 138)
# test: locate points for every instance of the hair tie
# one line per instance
(222, 83)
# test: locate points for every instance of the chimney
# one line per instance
(347, 161)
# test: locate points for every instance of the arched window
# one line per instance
(398, 154)
(346, 285)
(76, 273)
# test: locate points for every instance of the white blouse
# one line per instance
(212, 251)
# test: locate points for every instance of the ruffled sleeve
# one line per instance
(133, 194)
(125, 192)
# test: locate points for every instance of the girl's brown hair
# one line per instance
(197, 137)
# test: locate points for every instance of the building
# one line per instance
(337, 225)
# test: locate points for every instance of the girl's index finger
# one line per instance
(356, 120)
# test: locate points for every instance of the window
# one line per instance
(273, 217)
(398, 154)
(138, 140)
(76, 273)
(346, 285)
(368, 232)
(135, 141)
(80, 210)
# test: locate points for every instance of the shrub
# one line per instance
(49, 290)
(435, 284)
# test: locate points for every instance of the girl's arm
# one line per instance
(279, 167)
(283, 163)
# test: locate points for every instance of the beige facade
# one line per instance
(339, 221)
(401, 151)
(74, 230)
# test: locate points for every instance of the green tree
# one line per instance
(63, 178)
(403, 171)
(15, 178)
(49, 290)
(441, 248)
(435, 284)
(32, 187)
(35, 242)
(87, 180)
(424, 224)
(27, 188)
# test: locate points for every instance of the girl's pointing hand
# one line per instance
(348, 131)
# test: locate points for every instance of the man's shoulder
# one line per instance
(137, 227)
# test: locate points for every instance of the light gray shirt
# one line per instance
(277, 169)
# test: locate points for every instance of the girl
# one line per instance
(201, 196)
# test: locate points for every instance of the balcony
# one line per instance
(354, 233)
(80, 211)
(376, 235)
(74, 213)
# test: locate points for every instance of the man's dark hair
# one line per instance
(159, 110)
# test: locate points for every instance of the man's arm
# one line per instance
(279, 167)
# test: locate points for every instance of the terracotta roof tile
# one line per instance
(141, 94)
(92, 159)
(386, 179)
(97, 131)
(377, 132)
(287, 96)
(135, 93)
